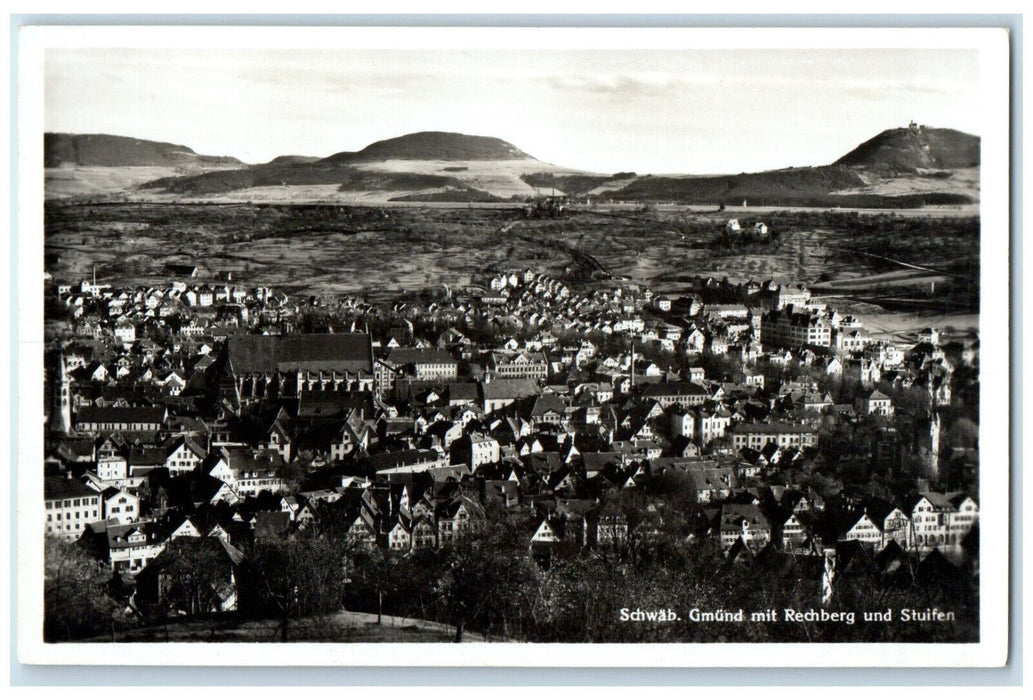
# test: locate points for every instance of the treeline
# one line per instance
(493, 583)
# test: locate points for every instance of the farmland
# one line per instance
(869, 263)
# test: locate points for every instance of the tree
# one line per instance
(377, 569)
(75, 599)
(298, 578)
(197, 569)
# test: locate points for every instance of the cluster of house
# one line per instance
(795, 521)
(758, 228)
(408, 440)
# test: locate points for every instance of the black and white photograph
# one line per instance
(344, 341)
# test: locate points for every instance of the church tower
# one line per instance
(61, 417)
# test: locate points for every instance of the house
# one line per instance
(461, 393)
(941, 520)
(798, 532)
(547, 409)
(874, 403)
(278, 439)
(545, 534)
(711, 483)
(892, 521)
(354, 434)
(499, 393)
(125, 331)
(480, 449)
(183, 455)
(143, 460)
(456, 518)
(399, 535)
(112, 468)
(250, 472)
(205, 296)
(120, 504)
(862, 370)
(69, 506)
(129, 548)
(861, 528)
(424, 534)
(363, 530)
(710, 424)
(745, 522)
(606, 526)
(792, 327)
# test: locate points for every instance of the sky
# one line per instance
(649, 111)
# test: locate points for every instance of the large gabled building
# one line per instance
(260, 366)
(795, 327)
(518, 365)
(418, 363)
(756, 435)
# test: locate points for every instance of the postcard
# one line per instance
(577, 347)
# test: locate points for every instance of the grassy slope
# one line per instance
(346, 627)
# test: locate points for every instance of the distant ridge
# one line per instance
(915, 147)
(104, 150)
(912, 166)
(433, 145)
(293, 160)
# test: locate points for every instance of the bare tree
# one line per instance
(76, 604)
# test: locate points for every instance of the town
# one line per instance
(207, 422)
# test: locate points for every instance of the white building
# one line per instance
(69, 507)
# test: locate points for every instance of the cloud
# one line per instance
(620, 85)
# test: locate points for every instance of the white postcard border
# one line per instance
(990, 651)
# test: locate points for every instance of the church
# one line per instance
(270, 366)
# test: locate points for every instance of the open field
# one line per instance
(96, 180)
(922, 265)
(315, 250)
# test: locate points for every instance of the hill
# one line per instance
(293, 160)
(906, 167)
(433, 145)
(916, 147)
(104, 150)
(795, 185)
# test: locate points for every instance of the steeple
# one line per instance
(61, 419)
